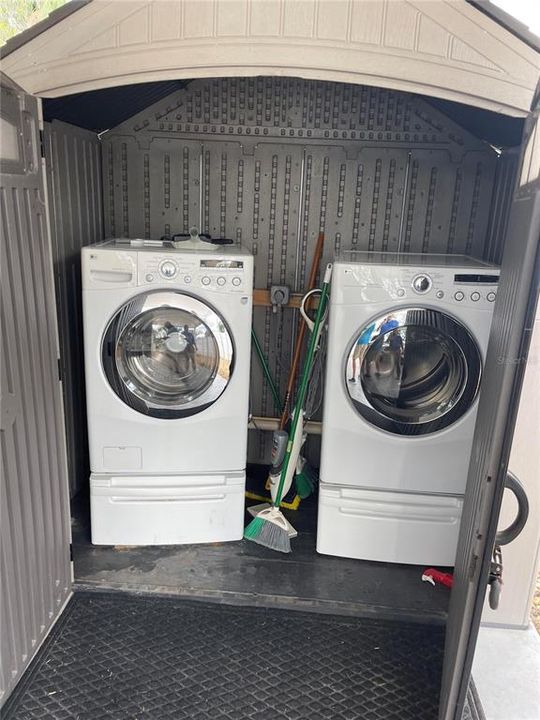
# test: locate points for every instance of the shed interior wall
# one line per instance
(76, 215)
(271, 162)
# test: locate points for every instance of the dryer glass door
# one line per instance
(413, 372)
(167, 354)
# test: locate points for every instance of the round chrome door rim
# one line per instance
(464, 346)
(167, 405)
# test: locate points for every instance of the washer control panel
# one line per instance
(219, 273)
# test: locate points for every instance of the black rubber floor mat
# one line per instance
(126, 657)
(473, 709)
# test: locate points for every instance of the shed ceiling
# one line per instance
(441, 48)
(100, 110)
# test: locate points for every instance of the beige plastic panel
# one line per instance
(442, 48)
(35, 572)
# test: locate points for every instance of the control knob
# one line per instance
(421, 284)
(168, 269)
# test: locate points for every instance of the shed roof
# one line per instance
(446, 49)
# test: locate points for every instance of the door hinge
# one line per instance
(41, 144)
(60, 371)
(70, 552)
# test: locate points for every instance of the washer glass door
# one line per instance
(167, 354)
(412, 372)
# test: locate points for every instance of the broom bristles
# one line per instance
(306, 481)
(267, 533)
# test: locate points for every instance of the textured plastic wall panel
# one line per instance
(35, 570)
(270, 162)
(73, 158)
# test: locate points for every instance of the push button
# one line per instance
(221, 280)
(236, 281)
(459, 296)
(187, 279)
(491, 296)
(440, 294)
(475, 296)
(149, 277)
(205, 280)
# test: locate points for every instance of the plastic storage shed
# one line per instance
(444, 50)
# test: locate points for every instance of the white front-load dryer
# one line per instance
(407, 341)
(167, 354)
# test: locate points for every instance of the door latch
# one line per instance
(495, 580)
(505, 537)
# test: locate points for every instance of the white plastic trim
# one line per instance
(441, 48)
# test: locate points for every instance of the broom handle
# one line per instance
(305, 380)
(317, 255)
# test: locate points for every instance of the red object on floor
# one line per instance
(438, 577)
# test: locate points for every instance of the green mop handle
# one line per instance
(266, 370)
(313, 340)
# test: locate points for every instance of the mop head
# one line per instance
(269, 528)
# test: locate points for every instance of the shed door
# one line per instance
(513, 320)
(34, 526)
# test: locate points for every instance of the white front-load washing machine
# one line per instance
(407, 341)
(167, 355)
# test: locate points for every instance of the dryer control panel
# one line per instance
(461, 287)
(448, 285)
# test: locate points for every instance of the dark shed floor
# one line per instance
(243, 573)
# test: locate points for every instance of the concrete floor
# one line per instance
(506, 672)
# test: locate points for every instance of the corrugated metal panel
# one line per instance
(270, 162)
(35, 532)
(73, 160)
(446, 49)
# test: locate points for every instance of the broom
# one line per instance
(298, 466)
(269, 527)
(277, 459)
